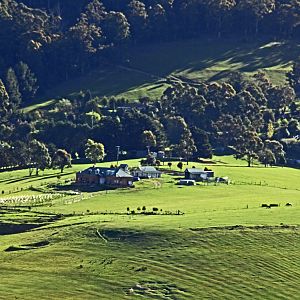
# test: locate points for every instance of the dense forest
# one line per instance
(44, 42)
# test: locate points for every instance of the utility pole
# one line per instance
(118, 152)
(92, 119)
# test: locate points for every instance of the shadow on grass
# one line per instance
(37, 178)
(155, 87)
(11, 228)
(249, 58)
(32, 246)
(84, 188)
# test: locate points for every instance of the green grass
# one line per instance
(203, 205)
(198, 255)
(144, 69)
(212, 264)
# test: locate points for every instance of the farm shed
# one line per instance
(187, 182)
(198, 174)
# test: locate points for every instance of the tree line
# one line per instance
(252, 117)
(43, 42)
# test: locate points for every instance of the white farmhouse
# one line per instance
(146, 172)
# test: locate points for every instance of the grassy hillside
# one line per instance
(87, 246)
(210, 264)
(144, 70)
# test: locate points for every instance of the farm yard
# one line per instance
(132, 243)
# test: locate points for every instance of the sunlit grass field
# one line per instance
(224, 246)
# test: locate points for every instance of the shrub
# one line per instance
(180, 165)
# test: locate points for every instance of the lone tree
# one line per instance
(267, 157)
(186, 147)
(149, 139)
(249, 146)
(39, 156)
(61, 159)
(94, 151)
(276, 148)
(180, 165)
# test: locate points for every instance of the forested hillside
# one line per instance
(45, 43)
(62, 39)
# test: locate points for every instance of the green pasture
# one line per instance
(224, 246)
(75, 263)
(19, 182)
(143, 70)
(203, 205)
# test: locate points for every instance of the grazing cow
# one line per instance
(274, 205)
(288, 204)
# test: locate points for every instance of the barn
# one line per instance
(198, 174)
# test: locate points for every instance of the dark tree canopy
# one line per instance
(45, 43)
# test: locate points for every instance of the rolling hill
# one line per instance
(225, 246)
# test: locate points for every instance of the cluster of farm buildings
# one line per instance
(123, 177)
(115, 176)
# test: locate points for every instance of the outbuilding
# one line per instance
(187, 182)
(198, 174)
